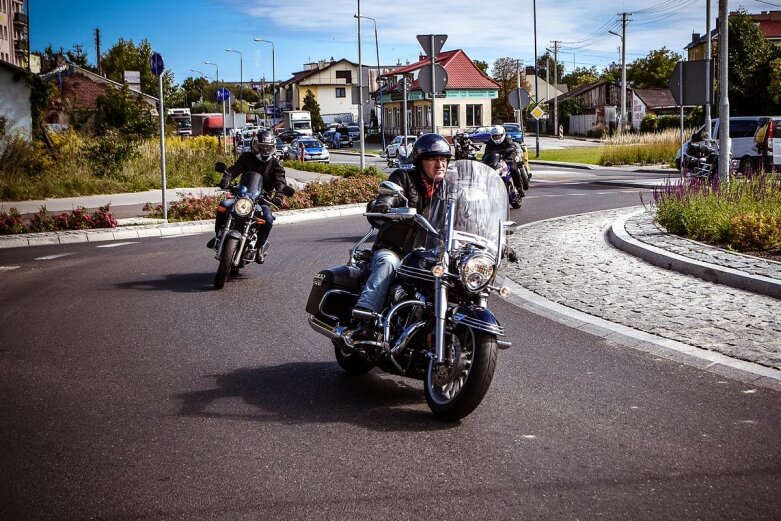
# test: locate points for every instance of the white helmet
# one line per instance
(497, 134)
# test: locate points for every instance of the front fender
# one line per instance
(476, 318)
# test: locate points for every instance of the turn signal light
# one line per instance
(222, 209)
(438, 271)
(504, 292)
(260, 221)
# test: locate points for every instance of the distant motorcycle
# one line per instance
(502, 167)
(238, 245)
(701, 160)
(464, 148)
(403, 158)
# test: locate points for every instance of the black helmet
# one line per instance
(429, 145)
(264, 145)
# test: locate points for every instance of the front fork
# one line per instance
(440, 312)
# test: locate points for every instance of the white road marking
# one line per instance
(180, 235)
(114, 245)
(51, 257)
(8, 268)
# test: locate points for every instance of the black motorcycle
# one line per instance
(701, 160)
(502, 165)
(464, 148)
(237, 243)
(435, 325)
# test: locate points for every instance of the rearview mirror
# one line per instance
(390, 188)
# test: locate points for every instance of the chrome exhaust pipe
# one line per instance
(324, 329)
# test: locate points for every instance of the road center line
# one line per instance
(114, 245)
(51, 257)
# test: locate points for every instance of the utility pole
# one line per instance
(536, 83)
(547, 86)
(708, 82)
(556, 86)
(97, 51)
(724, 141)
(623, 71)
(519, 67)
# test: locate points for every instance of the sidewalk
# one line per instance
(574, 275)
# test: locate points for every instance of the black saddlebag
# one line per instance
(340, 287)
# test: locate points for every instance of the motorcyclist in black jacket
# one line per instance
(511, 152)
(259, 159)
(430, 157)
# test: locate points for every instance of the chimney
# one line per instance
(695, 37)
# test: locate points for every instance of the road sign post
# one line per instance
(432, 44)
(223, 95)
(158, 66)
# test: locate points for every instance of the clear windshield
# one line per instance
(480, 209)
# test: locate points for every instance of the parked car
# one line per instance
(314, 150)
(393, 146)
(479, 134)
(245, 145)
(514, 132)
(344, 140)
(288, 136)
(745, 157)
(355, 132)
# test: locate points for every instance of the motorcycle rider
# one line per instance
(259, 159)
(430, 157)
(464, 147)
(511, 152)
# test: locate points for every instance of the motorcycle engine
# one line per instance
(397, 294)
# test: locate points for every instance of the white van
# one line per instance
(741, 130)
(770, 148)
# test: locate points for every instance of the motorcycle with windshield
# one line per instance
(502, 165)
(435, 325)
(237, 243)
(464, 148)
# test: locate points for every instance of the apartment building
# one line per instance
(14, 33)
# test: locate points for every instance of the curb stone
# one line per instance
(139, 228)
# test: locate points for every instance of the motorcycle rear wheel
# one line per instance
(353, 363)
(226, 262)
(475, 356)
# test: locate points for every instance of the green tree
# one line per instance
(546, 61)
(505, 73)
(653, 71)
(579, 77)
(121, 110)
(612, 73)
(311, 104)
(753, 77)
(483, 66)
(126, 56)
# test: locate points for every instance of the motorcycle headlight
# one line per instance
(476, 270)
(243, 206)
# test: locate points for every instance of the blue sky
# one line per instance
(188, 32)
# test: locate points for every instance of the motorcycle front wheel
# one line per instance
(226, 261)
(454, 391)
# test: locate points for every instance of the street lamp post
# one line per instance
(201, 84)
(241, 84)
(379, 82)
(360, 90)
(273, 76)
(217, 76)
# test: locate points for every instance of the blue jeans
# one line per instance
(383, 268)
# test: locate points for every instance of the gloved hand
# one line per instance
(277, 201)
(381, 208)
(224, 182)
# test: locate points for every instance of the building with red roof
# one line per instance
(466, 101)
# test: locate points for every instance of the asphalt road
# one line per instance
(129, 389)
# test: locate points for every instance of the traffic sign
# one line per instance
(157, 64)
(223, 94)
(519, 99)
(692, 75)
(537, 112)
(425, 42)
(440, 79)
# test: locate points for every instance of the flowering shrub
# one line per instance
(742, 214)
(188, 208)
(349, 190)
(78, 219)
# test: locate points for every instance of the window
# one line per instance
(474, 115)
(340, 92)
(347, 76)
(419, 116)
(450, 115)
